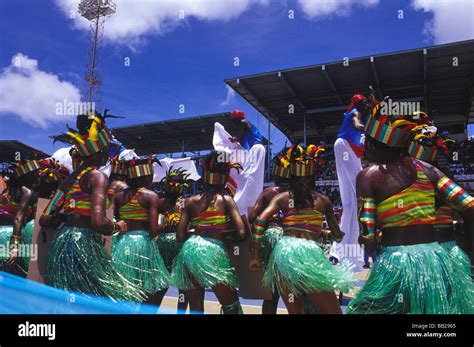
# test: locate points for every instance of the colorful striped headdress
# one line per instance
(425, 141)
(139, 167)
(118, 167)
(23, 167)
(96, 137)
(216, 169)
(281, 164)
(176, 180)
(303, 161)
(52, 171)
(392, 130)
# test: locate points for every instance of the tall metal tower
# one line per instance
(96, 12)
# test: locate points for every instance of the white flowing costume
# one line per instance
(249, 183)
(348, 165)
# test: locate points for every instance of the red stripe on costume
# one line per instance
(358, 150)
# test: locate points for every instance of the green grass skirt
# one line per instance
(270, 238)
(169, 248)
(300, 266)
(418, 279)
(205, 260)
(458, 256)
(6, 232)
(77, 261)
(137, 258)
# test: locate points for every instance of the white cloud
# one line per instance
(134, 19)
(230, 98)
(32, 94)
(453, 20)
(318, 9)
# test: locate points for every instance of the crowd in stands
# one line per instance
(462, 153)
(466, 150)
(327, 168)
(461, 169)
(461, 163)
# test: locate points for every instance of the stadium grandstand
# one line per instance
(11, 150)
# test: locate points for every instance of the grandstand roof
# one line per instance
(10, 148)
(320, 93)
(191, 134)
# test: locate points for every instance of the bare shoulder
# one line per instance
(25, 191)
(149, 192)
(369, 172)
(97, 176)
(367, 176)
(192, 200)
(270, 192)
(227, 198)
(282, 196)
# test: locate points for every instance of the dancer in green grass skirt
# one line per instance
(428, 144)
(77, 260)
(413, 273)
(17, 209)
(136, 256)
(203, 261)
(297, 264)
(173, 186)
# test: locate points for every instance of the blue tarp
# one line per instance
(22, 296)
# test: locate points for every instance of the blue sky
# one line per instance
(175, 62)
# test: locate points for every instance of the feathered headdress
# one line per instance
(281, 164)
(303, 160)
(425, 141)
(52, 171)
(216, 168)
(138, 167)
(393, 130)
(93, 138)
(176, 180)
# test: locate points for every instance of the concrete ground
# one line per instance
(212, 306)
